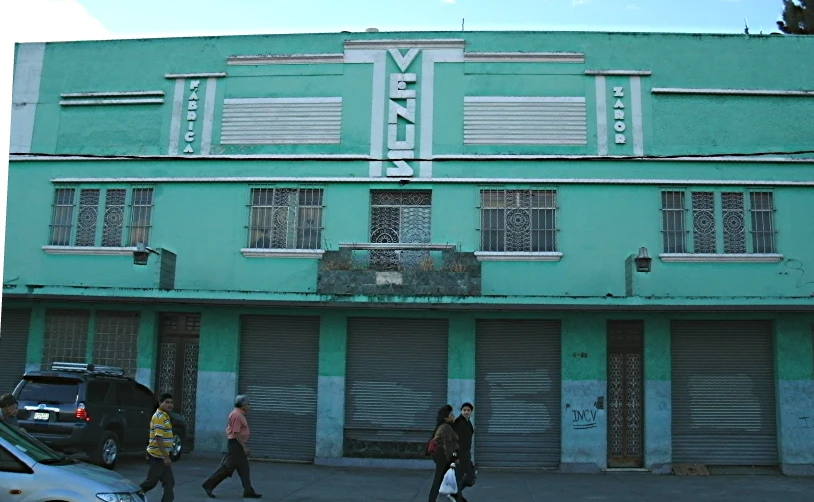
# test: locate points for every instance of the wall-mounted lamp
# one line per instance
(142, 254)
(643, 260)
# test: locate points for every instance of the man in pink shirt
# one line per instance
(237, 458)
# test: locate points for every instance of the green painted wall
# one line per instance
(599, 227)
(461, 362)
(333, 342)
(584, 347)
(793, 347)
(676, 60)
(657, 360)
(220, 340)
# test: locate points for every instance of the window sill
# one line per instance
(517, 256)
(89, 250)
(282, 253)
(720, 258)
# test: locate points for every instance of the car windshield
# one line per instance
(49, 390)
(28, 445)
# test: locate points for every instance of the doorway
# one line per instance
(177, 369)
(625, 395)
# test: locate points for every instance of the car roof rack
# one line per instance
(91, 368)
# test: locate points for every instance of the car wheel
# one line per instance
(107, 453)
(177, 447)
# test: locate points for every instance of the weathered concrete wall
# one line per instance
(333, 335)
(658, 450)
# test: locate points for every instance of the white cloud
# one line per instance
(51, 21)
(633, 7)
(448, 1)
(578, 2)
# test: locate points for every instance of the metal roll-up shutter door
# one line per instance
(14, 347)
(517, 393)
(279, 359)
(723, 409)
(396, 379)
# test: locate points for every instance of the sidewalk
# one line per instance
(301, 483)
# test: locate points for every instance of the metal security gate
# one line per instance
(396, 379)
(517, 393)
(279, 364)
(723, 409)
(625, 396)
(177, 370)
(14, 346)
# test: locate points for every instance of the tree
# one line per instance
(798, 17)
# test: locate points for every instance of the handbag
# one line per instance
(470, 477)
(431, 446)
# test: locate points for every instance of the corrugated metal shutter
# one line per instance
(517, 393)
(279, 358)
(14, 347)
(723, 393)
(396, 379)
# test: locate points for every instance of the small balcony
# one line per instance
(399, 269)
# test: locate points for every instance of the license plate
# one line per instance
(42, 416)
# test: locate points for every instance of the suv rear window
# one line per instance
(49, 390)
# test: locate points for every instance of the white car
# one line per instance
(32, 472)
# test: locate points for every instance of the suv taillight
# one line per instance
(81, 412)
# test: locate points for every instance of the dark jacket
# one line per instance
(465, 431)
(446, 440)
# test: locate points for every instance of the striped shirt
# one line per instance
(160, 427)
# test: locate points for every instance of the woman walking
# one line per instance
(446, 452)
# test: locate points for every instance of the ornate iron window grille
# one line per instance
(518, 220)
(673, 229)
(88, 214)
(115, 341)
(114, 217)
(761, 207)
(141, 214)
(285, 218)
(400, 217)
(711, 209)
(62, 217)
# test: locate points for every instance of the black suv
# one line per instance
(92, 409)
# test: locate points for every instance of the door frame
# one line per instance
(625, 338)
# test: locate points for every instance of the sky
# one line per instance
(62, 20)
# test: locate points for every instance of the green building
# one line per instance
(590, 236)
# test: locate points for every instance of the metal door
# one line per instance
(625, 396)
(723, 409)
(396, 379)
(178, 364)
(279, 371)
(517, 393)
(14, 346)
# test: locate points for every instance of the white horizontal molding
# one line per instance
(720, 258)
(396, 246)
(619, 73)
(112, 101)
(218, 74)
(524, 57)
(18, 157)
(111, 94)
(733, 92)
(352, 179)
(426, 43)
(282, 253)
(281, 121)
(517, 256)
(91, 251)
(525, 120)
(273, 59)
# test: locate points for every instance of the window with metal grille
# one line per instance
(115, 340)
(285, 218)
(84, 228)
(400, 216)
(717, 222)
(518, 220)
(66, 336)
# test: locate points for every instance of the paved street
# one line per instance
(292, 483)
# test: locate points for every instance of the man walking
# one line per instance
(237, 434)
(158, 450)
